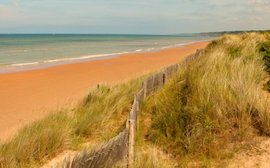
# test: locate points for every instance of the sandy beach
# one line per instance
(30, 95)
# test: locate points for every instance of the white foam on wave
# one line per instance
(192, 42)
(150, 49)
(68, 59)
(24, 64)
(183, 44)
(166, 47)
(83, 57)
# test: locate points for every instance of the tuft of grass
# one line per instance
(104, 108)
(38, 141)
(214, 101)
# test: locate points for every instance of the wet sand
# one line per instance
(30, 95)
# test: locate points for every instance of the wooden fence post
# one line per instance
(145, 88)
(164, 80)
(131, 142)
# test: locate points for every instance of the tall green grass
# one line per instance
(214, 101)
(99, 117)
(103, 107)
(36, 142)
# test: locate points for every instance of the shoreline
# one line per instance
(43, 64)
(27, 96)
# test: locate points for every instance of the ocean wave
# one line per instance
(78, 58)
(24, 64)
(67, 59)
(94, 56)
(150, 49)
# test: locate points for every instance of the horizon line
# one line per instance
(203, 32)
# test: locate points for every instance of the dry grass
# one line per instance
(151, 157)
(215, 101)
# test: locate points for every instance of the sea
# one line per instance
(24, 51)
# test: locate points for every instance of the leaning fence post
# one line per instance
(131, 142)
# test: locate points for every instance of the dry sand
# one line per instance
(30, 95)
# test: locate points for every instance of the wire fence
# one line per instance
(119, 151)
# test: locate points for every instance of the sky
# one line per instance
(132, 16)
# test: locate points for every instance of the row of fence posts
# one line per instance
(120, 149)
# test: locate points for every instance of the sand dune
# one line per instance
(30, 95)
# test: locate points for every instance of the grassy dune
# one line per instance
(200, 117)
(99, 117)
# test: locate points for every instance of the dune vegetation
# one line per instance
(211, 106)
(98, 118)
(265, 50)
(199, 118)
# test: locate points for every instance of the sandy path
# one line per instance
(30, 95)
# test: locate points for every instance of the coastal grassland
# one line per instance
(211, 106)
(100, 116)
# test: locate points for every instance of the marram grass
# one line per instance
(36, 142)
(216, 100)
(99, 117)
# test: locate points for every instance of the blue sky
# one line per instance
(132, 16)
